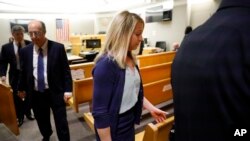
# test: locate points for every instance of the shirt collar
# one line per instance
(16, 43)
(44, 47)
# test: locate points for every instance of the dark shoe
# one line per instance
(20, 122)
(30, 117)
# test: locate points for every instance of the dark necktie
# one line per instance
(40, 71)
(19, 48)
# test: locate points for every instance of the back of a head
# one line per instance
(188, 29)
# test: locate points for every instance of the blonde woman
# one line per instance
(118, 93)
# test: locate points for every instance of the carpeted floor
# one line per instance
(79, 130)
(6, 134)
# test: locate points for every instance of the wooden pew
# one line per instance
(156, 132)
(7, 109)
(155, 58)
(155, 72)
(159, 91)
(89, 120)
(144, 60)
(86, 67)
(149, 74)
(156, 92)
(82, 92)
(152, 132)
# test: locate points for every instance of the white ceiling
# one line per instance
(72, 6)
(66, 6)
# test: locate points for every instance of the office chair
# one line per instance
(141, 48)
(162, 45)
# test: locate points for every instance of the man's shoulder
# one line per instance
(27, 42)
(54, 43)
(7, 44)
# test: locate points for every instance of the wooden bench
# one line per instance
(155, 58)
(152, 132)
(155, 72)
(7, 109)
(86, 67)
(156, 92)
(82, 92)
(156, 132)
(89, 120)
(159, 91)
(144, 60)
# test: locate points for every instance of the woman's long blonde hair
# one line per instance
(118, 38)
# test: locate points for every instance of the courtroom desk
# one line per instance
(88, 55)
(74, 59)
(150, 50)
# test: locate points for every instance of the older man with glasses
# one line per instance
(46, 77)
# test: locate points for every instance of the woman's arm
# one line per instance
(156, 113)
(104, 134)
(104, 80)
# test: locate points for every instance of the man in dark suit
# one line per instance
(10, 56)
(45, 75)
(211, 77)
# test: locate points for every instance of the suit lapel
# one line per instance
(30, 58)
(49, 53)
(12, 50)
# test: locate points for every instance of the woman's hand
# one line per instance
(158, 114)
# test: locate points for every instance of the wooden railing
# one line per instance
(7, 109)
(156, 132)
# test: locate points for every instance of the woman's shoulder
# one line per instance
(105, 66)
(106, 61)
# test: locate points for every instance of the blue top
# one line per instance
(109, 80)
(131, 89)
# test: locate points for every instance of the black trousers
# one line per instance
(23, 107)
(41, 104)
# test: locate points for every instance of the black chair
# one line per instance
(162, 45)
(141, 48)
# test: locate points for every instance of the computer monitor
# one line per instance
(93, 43)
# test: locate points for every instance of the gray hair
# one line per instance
(16, 28)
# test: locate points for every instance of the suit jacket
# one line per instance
(211, 77)
(8, 57)
(58, 71)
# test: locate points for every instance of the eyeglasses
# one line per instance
(35, 33)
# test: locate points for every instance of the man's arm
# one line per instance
(3, 64)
